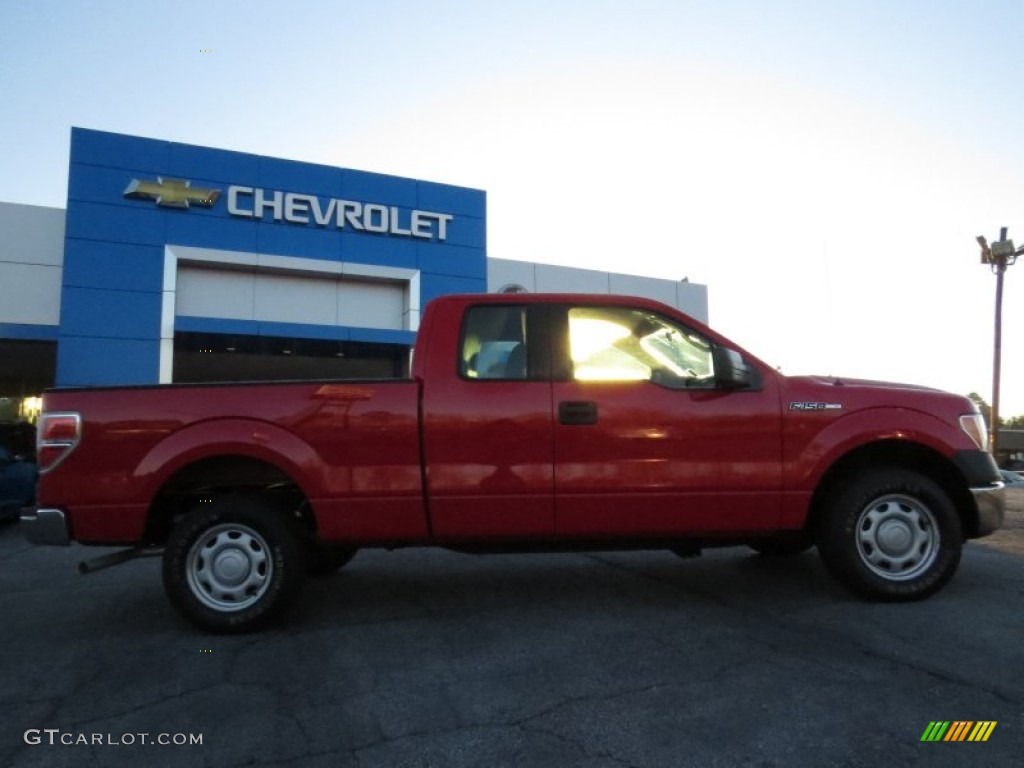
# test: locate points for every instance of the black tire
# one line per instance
(234, 565)
(890, 534)
(783, 545)
(326, 559)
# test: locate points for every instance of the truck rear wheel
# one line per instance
(891, 534)
(234, 564)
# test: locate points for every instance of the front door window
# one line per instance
(618, 344)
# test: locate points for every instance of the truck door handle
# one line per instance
(577, 412)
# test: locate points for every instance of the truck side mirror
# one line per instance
(731, 372)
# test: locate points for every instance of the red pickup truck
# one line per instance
(530, 423)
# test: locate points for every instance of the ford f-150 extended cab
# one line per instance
(529, 423)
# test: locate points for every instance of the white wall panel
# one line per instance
(504, 272)
(289, 299)
(371, 305)
(328, 300)
(32, 234)
(221, 293)
(648, 287)
(551, 279)
(691, 298)
(29, 294)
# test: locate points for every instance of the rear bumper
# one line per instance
(45, 526)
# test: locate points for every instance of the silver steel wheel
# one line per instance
(897, 537)
(229, 567)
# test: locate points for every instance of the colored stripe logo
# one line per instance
(958, 730)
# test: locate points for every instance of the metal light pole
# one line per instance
(998, 256)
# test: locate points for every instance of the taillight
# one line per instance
(58, 435)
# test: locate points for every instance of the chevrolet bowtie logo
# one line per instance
(171, 193)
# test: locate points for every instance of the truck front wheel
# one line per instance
(234, 564)
(890, 534)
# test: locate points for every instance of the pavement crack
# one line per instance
(525, 723)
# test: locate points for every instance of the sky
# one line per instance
(823, 167)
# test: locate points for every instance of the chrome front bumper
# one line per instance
(45, 526)
(991, 503)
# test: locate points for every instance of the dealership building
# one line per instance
(179, 263)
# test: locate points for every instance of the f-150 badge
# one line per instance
(815, 406)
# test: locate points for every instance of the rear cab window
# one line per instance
(494, 343)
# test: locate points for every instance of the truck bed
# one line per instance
(352, 447)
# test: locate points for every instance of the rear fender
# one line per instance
(230, 437)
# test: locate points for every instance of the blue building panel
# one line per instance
(104, 313)
(378, 188)
(114, 223)
(461, 201)
(192, 324)
(383, 336)
(453, 260)
(305, 178)
(261, 328)
(212, 232)
(313, 242)
(116, 266)
(29, 332)
(466, 231)
(225, 167)
(302, 331)
(116, 150)
(293, 330)
(380, 250)
(432, 286)
(83, 361)
(100, 184)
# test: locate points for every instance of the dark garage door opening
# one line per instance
(27, 367)
(209, 357)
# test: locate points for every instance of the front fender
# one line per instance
(808, 454)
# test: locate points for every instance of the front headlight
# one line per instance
(974, 425)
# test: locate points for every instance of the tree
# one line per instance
(1014, 422)
(985, 408)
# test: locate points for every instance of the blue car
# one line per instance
(17, 468)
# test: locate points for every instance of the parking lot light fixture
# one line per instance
(999, 255)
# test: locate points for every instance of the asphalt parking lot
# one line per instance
(430, 658)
